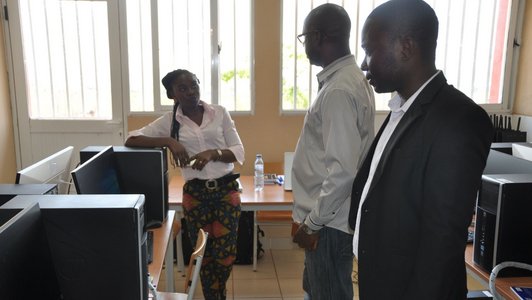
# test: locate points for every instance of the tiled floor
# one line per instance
(278, 276)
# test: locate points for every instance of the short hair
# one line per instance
(413, 18)
(332, 20)
(168, 80)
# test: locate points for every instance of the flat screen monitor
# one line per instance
(522, 150)
(98, 175)
(26, 265)
(52, 169)
(97, 244)
(502, 163)
(141, 171)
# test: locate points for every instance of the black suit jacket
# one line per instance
(413, 226)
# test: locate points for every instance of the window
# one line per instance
(66, 56)
(474, 48)
(210, 39)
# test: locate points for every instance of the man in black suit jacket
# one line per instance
(413, 198)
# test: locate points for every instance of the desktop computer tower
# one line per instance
(8, 191)
(503, 226)
(141, 171)
(97, 244)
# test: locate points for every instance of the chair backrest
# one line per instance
(194, 266)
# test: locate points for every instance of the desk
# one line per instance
(502, 284)
(272, 198)
(163, 249)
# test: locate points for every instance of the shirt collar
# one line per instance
(397, 103)
(208, 110)
(330, 69)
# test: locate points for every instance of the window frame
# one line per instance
(158, 107)
(509, 65)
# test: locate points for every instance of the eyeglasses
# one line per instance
(302, 37)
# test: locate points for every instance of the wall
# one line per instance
(7, 142)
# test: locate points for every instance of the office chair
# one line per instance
(194, 266)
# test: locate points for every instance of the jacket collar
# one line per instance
(418, 108)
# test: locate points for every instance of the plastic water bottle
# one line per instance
(259, 173)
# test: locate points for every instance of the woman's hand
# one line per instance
(179, 153)
(198, 161)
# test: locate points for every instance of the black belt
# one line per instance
(214, 183)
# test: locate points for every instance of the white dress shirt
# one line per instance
(338, 131)
(217, 131)
(398, 108)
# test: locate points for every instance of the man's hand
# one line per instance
(305, 240)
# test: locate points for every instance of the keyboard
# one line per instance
(149, 246)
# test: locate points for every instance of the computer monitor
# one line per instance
(52, 169)
(8, 191)
(97, 244)
(26, 266)
(502, 163)
(142, 171)
(522, 150)
(98, 175)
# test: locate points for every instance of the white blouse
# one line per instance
(217, 131)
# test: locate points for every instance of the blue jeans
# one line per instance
(328, 269)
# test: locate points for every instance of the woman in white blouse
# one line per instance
(204, 143)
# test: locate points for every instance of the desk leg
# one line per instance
(255, 240)
(179, 248)
(169, 266)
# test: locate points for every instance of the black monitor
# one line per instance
(142, 171)
(26, 266)
(97, 243)
(98, 175)
(9, 191)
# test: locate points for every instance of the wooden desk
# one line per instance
(163, 250)
(502, 284)
(271, 198)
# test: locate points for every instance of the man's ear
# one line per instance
(408, 47)
(321, 38)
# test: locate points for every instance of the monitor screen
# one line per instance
(52, 169)
(26, 266)
(98, 175)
